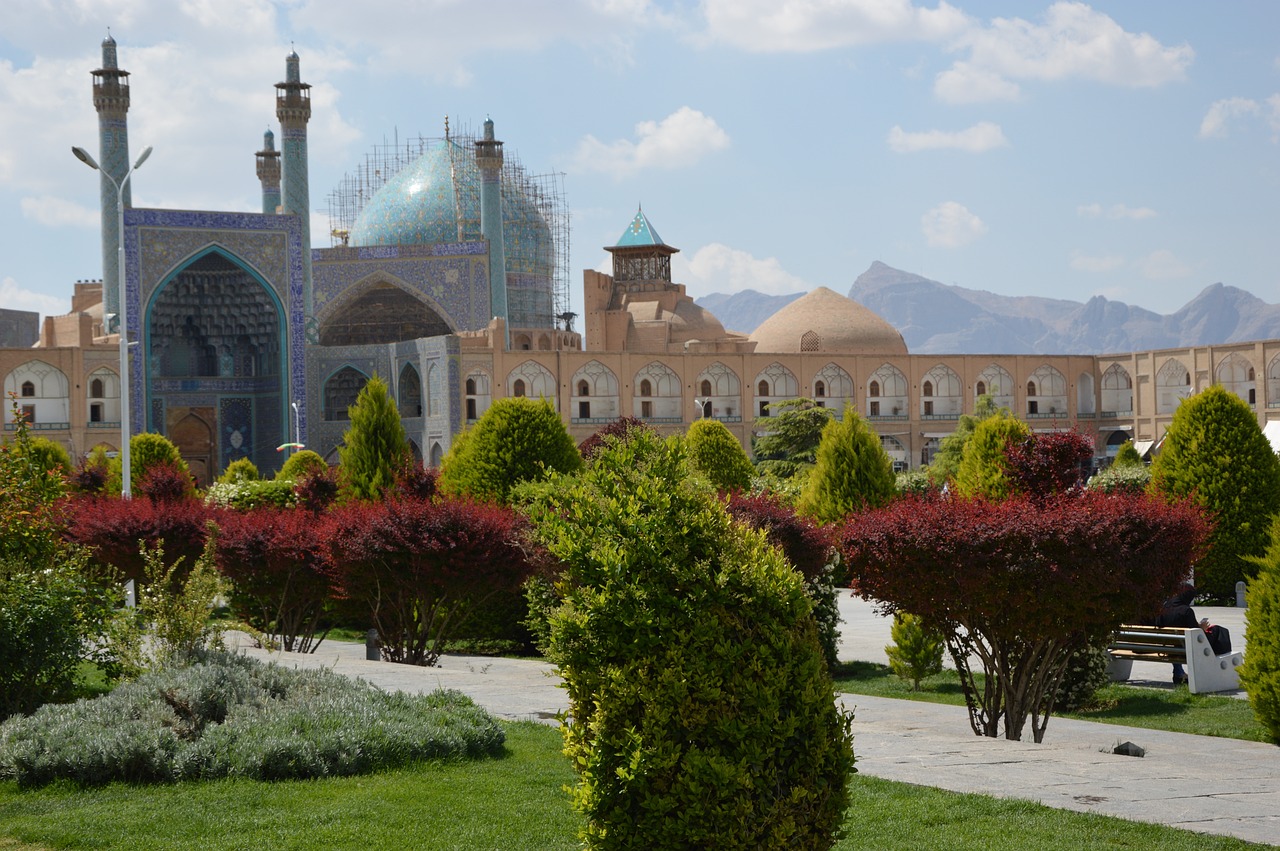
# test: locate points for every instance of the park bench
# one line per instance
(1190, 648)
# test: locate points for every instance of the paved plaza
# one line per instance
(1200, 783)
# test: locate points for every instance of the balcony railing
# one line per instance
(940, 416)
(1115, 415)
(115, 426)
(887, 418)
(41, 426)
(1048, 415)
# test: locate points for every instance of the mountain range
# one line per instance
(936, 318)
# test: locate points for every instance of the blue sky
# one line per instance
(1060, 149)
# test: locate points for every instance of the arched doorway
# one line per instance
(193, 435)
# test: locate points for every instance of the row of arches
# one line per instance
(718, 391)
(44, 395)
(415, 394)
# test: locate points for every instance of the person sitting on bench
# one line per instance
(1177, 612)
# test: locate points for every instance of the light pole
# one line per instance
(84, 157)
(297, 427)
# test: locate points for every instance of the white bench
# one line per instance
(1206, 671)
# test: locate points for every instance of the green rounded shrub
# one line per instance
(983, 467)
(301, 464)
(146, 450)
(1127, 456)
(239, 470)
(1086, 672)
(517, 440)
(701, 711)
(716, 453)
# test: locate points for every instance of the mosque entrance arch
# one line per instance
(216, 346)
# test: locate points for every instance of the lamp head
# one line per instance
(143, 157)
(86, 158)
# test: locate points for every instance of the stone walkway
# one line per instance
(1211, 785)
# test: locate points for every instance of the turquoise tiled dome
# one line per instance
(436, 199)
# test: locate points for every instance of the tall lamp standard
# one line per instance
(84, 157)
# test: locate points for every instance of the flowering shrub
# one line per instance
(1115, 478)
(1017, 584)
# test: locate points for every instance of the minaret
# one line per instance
(489, 160)
(293, 108)
(111, 99)
(269, 173)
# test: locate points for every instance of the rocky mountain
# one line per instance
(945, 319)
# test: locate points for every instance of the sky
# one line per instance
(1060, 149)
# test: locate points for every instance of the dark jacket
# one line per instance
(1177, 610)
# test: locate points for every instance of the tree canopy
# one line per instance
(1215, 453)
(374, 446)
(517, 440)
(852, 471)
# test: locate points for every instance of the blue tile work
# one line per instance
(235, 429)
(159, 243)
(157, 416)
(452, 279)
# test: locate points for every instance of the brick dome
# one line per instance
(825, 321)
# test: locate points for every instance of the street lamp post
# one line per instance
(84, 157)
(297, 428)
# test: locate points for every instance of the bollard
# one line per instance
(1240, 594)
(372, 651)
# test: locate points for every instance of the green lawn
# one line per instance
(515, 802)
(1175, 710)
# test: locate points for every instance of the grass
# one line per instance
(1174, 710)
(513, 802)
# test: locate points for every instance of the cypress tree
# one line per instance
(983, 468)
(852, 471)
(374, 446)
(1215, 453)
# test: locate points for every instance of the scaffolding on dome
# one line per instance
(544, 191)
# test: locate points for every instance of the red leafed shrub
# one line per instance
(276, 562)
(114, 529)
(317, 491)
(805, 544)
(419, 568)
(414, 481)
(619, 428)
(166, 481)
(1017, 584)
(1049, 463)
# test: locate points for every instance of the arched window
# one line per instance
(646, 388)
(471, 387)
(928, 388)
(704, 389)
(762, 389)
(819, 389)
(28, 389)
(1031, 388)
(584, 389)
(874, 389)
(95, 388)
(517, 389)
(981, 388)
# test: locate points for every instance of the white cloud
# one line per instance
(56, 212)
(964, 83)
(1115, 211)
(981, 137)
(717, 268)
(681, 139)
(1214, 123)
(774, 26)
(1163, 265)
(1104, 263)
(14, 297)
(951, 225)
(1074, 42)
